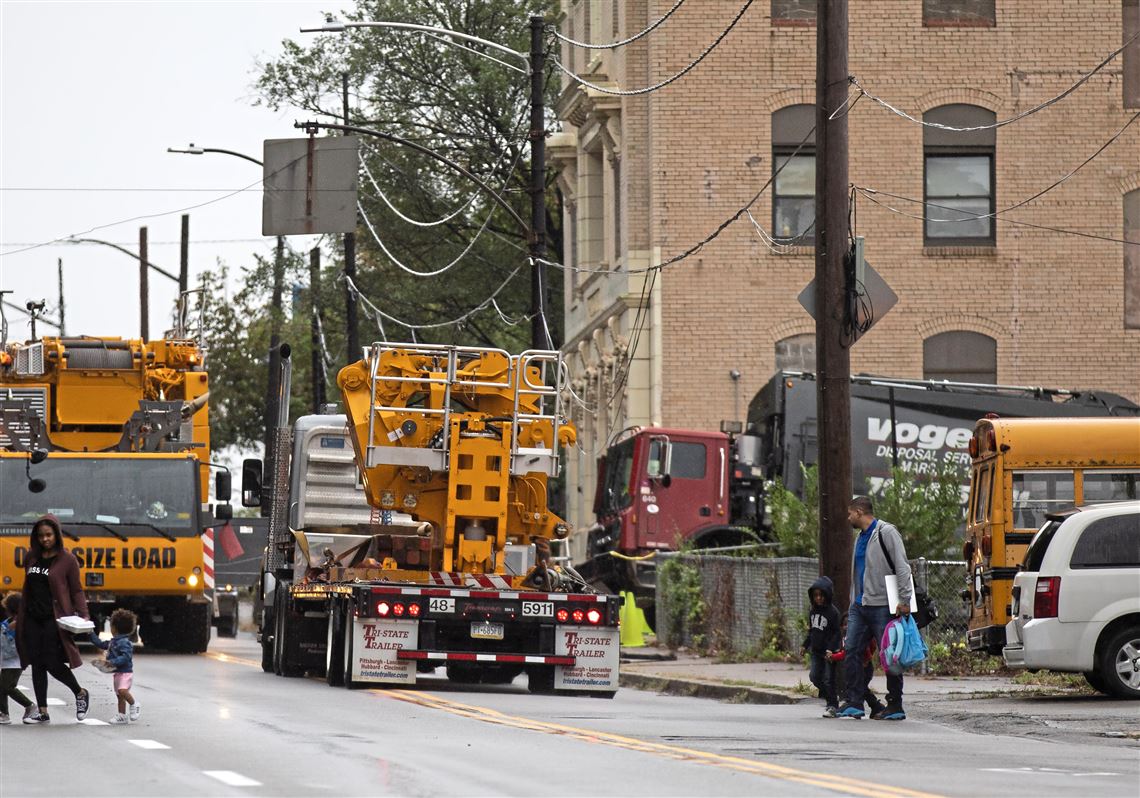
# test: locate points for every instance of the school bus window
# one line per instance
(982, 503)
(1110, 486)
(972, 498)
(1038, 492)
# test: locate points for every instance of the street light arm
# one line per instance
(336, 26)
(311, 127)
(124, 250)
(192, 150)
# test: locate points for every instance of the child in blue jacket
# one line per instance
(120, 661)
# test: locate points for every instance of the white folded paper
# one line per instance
(892, 582)
(75, 624)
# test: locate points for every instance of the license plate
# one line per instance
(484, 630)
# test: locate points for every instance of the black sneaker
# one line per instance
(891, 711)
(33, 715)
(82, 700)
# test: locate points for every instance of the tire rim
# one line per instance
(1128, 664)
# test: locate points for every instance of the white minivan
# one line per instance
(1076, 600)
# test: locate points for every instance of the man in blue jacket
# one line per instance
(878, 548)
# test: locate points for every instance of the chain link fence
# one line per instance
(751, 603)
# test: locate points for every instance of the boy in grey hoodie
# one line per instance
(879, 551)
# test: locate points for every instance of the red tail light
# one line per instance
(398, 610)
(414, 610)
(1046, 597)
(383, 608)
(563, 615)
(577, 615)
(594, 617)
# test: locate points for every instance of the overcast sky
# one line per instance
(91, 95)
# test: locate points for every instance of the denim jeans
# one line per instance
(822, 675)
(865, 624)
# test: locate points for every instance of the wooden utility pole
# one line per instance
(144, 298)
(539, 339)
(833, 387)
(318, 361)
(184, 261)
(351, 321)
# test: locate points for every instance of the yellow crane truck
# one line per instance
(112, 436)
(453, 446)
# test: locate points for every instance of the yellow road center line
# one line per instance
(843, 784)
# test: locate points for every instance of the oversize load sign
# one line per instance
(374, 646)
(596, 652)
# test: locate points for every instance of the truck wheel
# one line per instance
(1120, 664)
(334, 647)
(188, 628)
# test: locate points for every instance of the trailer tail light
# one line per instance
(398, 610)
(1046, 596)
(594, 617)
(563, 615)
(383, 609)
(414, 610)
(578, 616)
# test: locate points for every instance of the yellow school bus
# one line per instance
(1021, 469)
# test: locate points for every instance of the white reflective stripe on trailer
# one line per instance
(467, 592)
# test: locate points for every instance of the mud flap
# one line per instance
(596, 652)
(373, 651)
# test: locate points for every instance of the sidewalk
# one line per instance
(682, 673)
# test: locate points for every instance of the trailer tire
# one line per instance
(281, 640)
(268, 633)
(189, 629)
(334, 650)
(540, 680)
(602, 693)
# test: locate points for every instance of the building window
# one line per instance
(960, 356)
(958, 13)
(793, 12)
(1130, 65)
(793, 198)
(796, 353)
(1132, 260)
(616, 188)
(958, 183)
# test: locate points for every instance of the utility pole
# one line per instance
(273, 385)
(351, 321)
(318, 361)
(833, 387)
(62, 318)
(538, 330)
(144, 299)
(184, 263)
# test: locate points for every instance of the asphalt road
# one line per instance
(217, 725)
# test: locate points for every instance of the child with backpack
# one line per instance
(10, 668)
(120, 661)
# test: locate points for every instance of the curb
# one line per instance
(737, 694)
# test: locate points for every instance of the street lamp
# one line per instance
(535, 60)
(273, 387)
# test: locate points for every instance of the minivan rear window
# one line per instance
(1112, 542)
(1036, 552)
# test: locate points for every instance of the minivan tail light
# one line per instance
(1046, 597)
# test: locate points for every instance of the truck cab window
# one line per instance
(689, 460)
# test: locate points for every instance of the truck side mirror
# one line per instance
(251, 483)
(223, 512)
(222, 487)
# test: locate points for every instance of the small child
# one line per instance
(10, 669)
(120, 661)
(823, 638)
(875, 706)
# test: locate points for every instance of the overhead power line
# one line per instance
(1002, 123)
(623, 42)
(667, 81)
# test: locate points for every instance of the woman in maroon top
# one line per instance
(51, 590)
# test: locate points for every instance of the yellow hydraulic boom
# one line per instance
(463, 438)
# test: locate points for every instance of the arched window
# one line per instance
(1132, 260)
(958, 185)
(793, 197)
(796, 353)
(960, 356)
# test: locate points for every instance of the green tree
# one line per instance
(461, 105)
(926, 508)
(795, 521)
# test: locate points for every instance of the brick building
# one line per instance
(646, 176)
